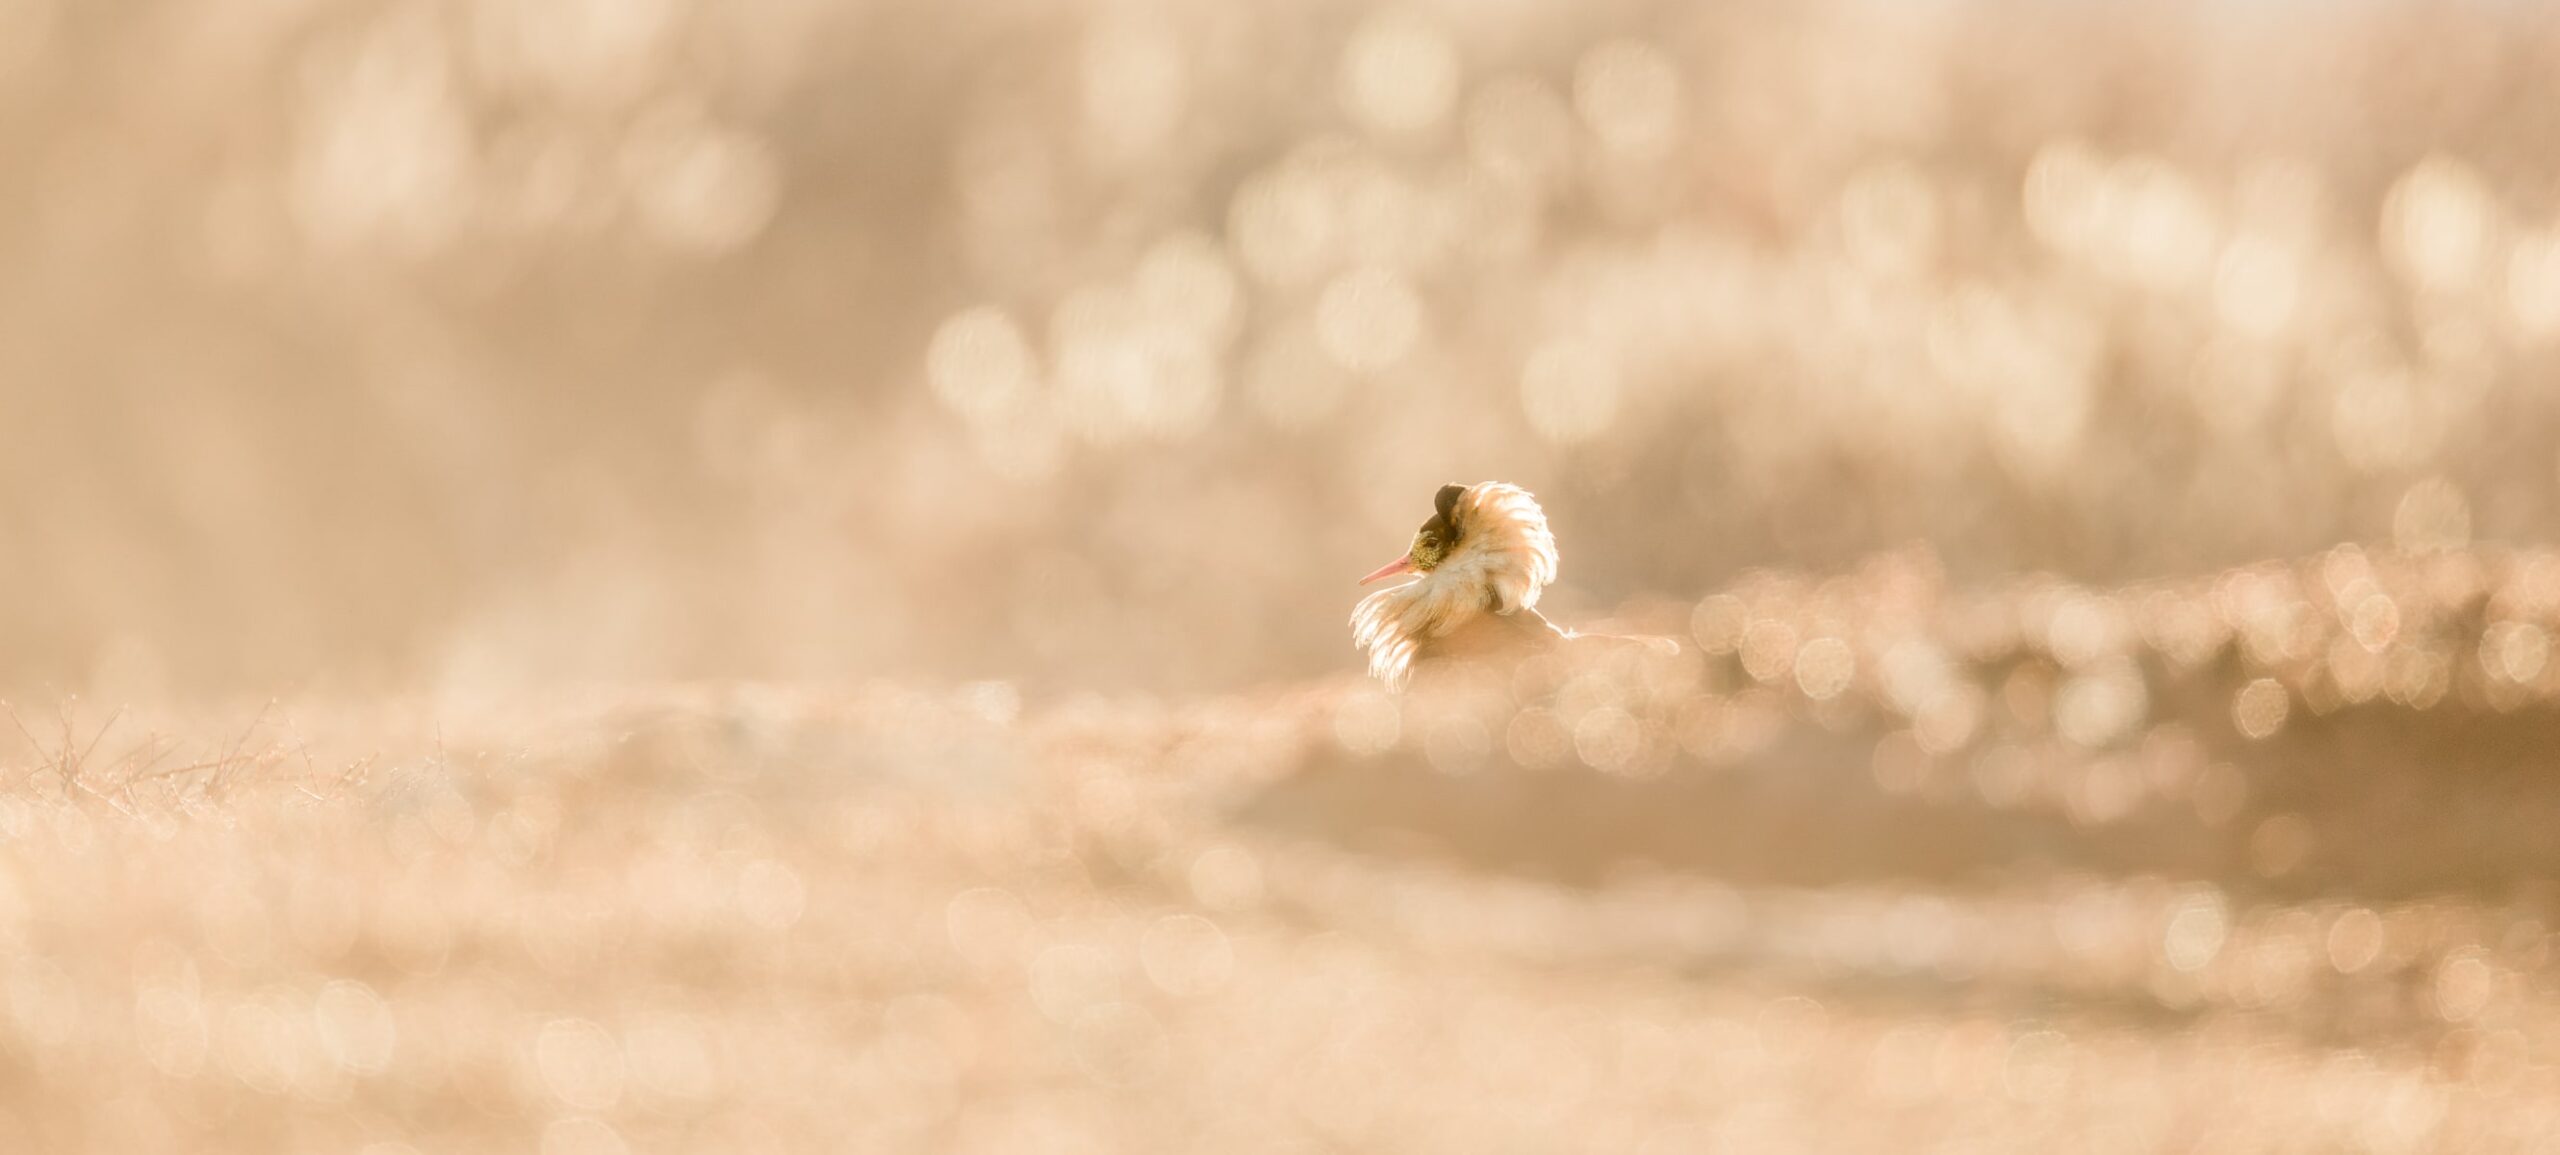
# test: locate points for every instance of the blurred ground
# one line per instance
(795, 554)
(2216, 866)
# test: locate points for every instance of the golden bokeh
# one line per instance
(606, 577)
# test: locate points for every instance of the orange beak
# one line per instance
(1400, 565)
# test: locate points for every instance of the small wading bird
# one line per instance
(1482, 559)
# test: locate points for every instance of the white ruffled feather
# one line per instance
(1504, 558)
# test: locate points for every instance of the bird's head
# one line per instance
(1432, 544)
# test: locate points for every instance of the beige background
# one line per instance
(377, 344)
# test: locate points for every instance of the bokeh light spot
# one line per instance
(1629, 95)
(979, 364)
(2437, 224)
(581, 1063)
(2197, 928)
(2259, 709)
(2433, 516)
(1136, 83)
(1569, 390)
(702, 187)
(1825, 667)
(1399, 73)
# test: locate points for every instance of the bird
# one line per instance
(1477, 567)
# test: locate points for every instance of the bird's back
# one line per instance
(1500, 642)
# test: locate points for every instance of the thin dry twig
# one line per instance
(62, 762)
(14, 720)
(130, 768)
(75, 763)
(219, 781)
(189, 768)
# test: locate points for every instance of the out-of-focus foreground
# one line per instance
(801, 548)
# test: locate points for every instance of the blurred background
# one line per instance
(797, 556)
(1101, 345)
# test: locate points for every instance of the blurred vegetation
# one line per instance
(488, 345)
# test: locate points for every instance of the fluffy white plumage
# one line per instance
(1504, 557)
